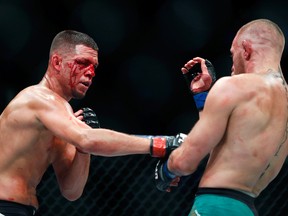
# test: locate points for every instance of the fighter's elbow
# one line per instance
(182, 168)
(71, 192)
(85, 145)
(71, 196)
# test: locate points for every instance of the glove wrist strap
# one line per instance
(158, 147)
(168, 174)
(200, 99)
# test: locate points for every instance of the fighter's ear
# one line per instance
(247, 49)
(56, 61)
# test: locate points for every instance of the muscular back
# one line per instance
(253, 147)
(26, 147)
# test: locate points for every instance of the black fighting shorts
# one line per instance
(8, 208)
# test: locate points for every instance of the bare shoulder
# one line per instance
(38, 93)
(238, 85)
(231, 92)
(32, 102)
(227, 88)
(38, 97)
(238, 81)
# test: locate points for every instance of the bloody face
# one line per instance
(81, 67)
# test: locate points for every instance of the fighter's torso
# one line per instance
(27, 148)
(255, 144)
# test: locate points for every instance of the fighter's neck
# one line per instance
(54, 86)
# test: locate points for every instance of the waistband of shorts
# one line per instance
(30, 209)
(235, 194)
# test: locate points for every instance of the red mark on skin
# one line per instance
(73, 74)
(92, 69)
(11, 199)
(79, 69)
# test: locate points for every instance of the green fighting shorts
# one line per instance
(221, 201)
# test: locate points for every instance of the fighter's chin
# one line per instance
(78, 95)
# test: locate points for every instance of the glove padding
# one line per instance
(207, 81)
(163, 177)
(195, 71)
(163, 146)
(90, 118)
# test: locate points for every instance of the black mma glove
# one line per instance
(199, 96)
(90, 118)
(163, 146)
(163, 177)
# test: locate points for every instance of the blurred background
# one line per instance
(138, 88)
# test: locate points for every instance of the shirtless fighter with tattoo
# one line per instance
(243, 127)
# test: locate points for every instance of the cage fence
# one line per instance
(124, 186)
